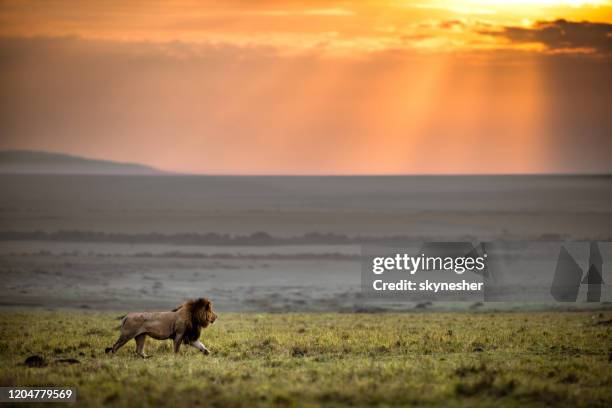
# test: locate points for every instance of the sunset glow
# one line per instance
(312, 87)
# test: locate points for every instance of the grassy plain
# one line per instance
(424, 359)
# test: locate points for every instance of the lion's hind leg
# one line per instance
(140, 343)
(119, 343)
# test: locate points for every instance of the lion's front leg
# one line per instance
(177, 342)
(198, 344)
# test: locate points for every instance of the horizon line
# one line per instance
(173, 173)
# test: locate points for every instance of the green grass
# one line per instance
(435, 359)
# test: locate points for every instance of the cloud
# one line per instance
(221, 108)
(451, 8)
(332, 12)
(562, 35)
(334, 27)
(451, 24)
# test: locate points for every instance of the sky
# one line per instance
(312, 87)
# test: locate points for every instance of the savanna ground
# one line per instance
(435, 359)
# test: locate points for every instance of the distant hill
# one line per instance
(38, 162)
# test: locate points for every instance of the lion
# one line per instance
(182, 324)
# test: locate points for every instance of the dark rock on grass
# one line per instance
(35, 361)
(68, 361)
(298, 352)
(571, 378)
(478, 349)
(382, 349)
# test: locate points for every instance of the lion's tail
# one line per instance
(123, 319)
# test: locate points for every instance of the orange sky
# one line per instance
(312, 87)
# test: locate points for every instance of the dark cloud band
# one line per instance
(562, 35)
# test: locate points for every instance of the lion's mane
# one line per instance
(197, 314)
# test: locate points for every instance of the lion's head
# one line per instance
(199, 312)
(204, 313)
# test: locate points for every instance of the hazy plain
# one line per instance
(287, 243)
(444, 207)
